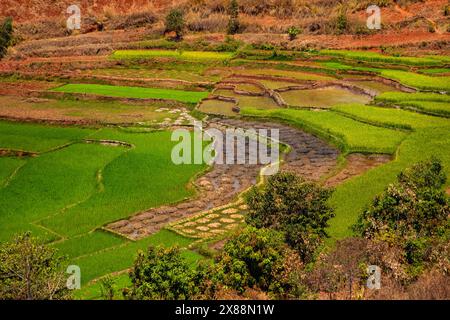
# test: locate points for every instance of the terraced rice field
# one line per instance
(133, 92)
(322, 97)
(103, 186)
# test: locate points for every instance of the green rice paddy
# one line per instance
(133, 92)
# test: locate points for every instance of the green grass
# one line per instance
(435, 71)
(430, 107)
(368, 56)
(134, 92)
(350, 135)
(430, 103)
(183, 55)
(37, 138)
(136, 180)
(47, 184)
(418, 81)
(122, 257)
(350, 198)
(8, 166)
(390, 117)
(401, 97)
(88, 243)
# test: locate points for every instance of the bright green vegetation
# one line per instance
(124, 192)
(120, 258)
(418, 81)
(37, 138)
(368, 56)
(390, 117)
(184, 55)
(133, 92)
(352, 126)
(351, 135)
(69, 193)
(431, 103)
(93, 291)
(351, 197)
(401, 97)
(334, 65)
(217, 107)
(436, 108)
(435, 71)
(124, 259)
(8, 166)
(322, 97)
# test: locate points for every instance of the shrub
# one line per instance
(293, 32)
(341, 22)
(175, 23)
(30, 270)
(413, 207)
(233, 23)
(161, 274)
(6, 30)
(298, 208)
(258, 258)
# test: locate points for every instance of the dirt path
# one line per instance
(356, 165)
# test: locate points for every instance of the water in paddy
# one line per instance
(217, 107)
(322, 97)
(376, 86)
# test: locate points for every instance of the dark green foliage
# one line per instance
(233, 23)
(413, 207)
(162, 274)
(257, 258)
(6, 30)
(175, 23)
(30, 270)
(298, 208)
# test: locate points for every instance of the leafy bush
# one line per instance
(175, 23)
(161, 274)
(293, 32)
(298, 208)
(413, 207)
(6, 30)
(30, 270)
(258, 257)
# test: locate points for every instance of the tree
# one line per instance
(6, 30)
(298, 208)
(175, 23)
(257, 258)
(30, 270)
(233, 23)
(162, 274)
(414, 207)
